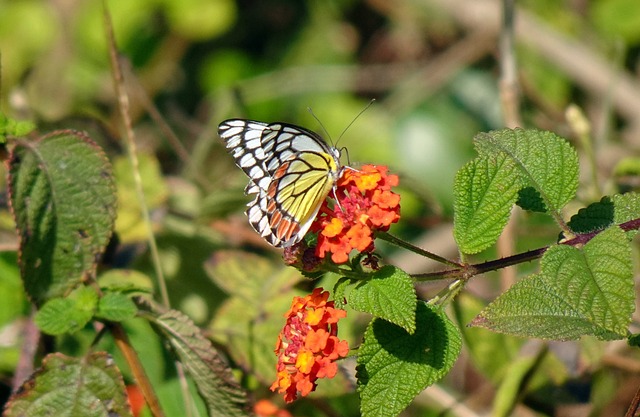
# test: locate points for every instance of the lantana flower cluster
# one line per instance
(308, 345)
(364, 204)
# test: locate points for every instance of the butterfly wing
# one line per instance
(291, 172)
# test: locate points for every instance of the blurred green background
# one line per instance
(433, 68)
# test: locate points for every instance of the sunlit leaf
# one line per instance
(580, 291)
(69, 314)
(485, 189)
(388, 294)
(544, 160)
(116, 306)
(395, 366)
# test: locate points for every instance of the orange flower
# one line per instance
(308, 345)
(365, 204)
(135, 398)
(265, 408)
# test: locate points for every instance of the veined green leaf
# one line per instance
(580, 291)
(116, 306)
(216, 385)
(395, 366)
(545, 161)
(249, 321)
(626, 208)
(69, 314)
(63, 199)
(72, 387)
(388, 294)
(485, 189)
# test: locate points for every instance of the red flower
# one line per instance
(308, 345)
(365, 204)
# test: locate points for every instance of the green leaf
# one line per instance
(12, 298)
(250, 320)
(545, 161)
(485, 189)
(339, 291)
(529, 199)
(482, 344)
(510, 387)
(395, 366)
(216, 385)
(116, 306)
(125, 281)
(626, 208)
(72, 387)
(67, 315)
(595, 216)
(63, 200)
(586, 291)
(12, 127)
(388, 294)
(251, 277)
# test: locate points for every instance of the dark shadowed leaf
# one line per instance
(63, 199)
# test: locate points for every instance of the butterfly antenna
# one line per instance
(320, 123)
(354, 119)
(345, 150)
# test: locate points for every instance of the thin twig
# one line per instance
(578, 59)
(406, 245)
(130, 355)
(510, 101)
(30, 343)
(477, 269)
(509, 91)
(123, 106)
(634, 406)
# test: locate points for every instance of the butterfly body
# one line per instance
(291, 171)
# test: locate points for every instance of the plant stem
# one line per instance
(406, 245)
(469, 271)
(123, 106)
(635, 404)
(130, 355)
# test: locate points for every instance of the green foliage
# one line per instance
(537, 169)
(387, 294)
(596, 216)
(484, 193)
(76, 387)
(627, 207)
(11, 127)
(216, 384)
(394, 365)
(62, 195)
(115, 306)
(544, 161)
(259, 293)
(529, 199)
(579, 291)
(619, 19)
(482, 344)
(67, 315)
(196, 62)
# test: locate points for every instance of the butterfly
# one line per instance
(291, 171)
